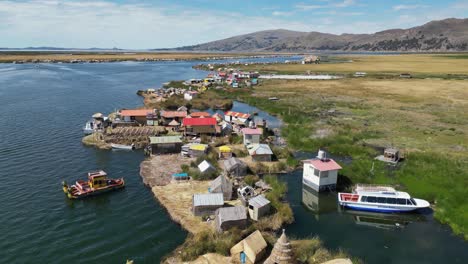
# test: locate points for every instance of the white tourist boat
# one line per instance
(383, 199)
(123, 147)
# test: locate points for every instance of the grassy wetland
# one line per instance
(357, 117)
(418, 65)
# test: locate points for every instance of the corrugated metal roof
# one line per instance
(237, 114)
(231, 162)
(259, 201)
(231, 213)
(165, 140)
(222, 181)
(207, 121)
(259, 149)
(206, 199)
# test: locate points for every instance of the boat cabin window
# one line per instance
(413, 201)
(381, 200)
(363, 198)
(401, 201)
(391, 200)
(371, 199)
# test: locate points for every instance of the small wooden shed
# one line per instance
(258, 206)
(229, 217)
(235, 167)
(225, 152)
(206, 203)
(222, 185)
(260, 152)
(197, 150)
(254, 247)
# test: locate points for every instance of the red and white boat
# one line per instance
(97, 183)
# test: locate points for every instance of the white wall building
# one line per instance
(321, 173)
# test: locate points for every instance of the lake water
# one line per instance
(43, 108)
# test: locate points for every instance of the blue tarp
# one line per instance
(180, 175)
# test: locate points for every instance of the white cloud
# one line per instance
(84, 24)
(345, 3)
(281, 13)
(407, 7)
(305, 7)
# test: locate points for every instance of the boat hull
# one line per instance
(378, 208)
(122, 147)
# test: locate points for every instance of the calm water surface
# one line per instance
(43, 108)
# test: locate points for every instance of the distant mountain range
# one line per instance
(443, 35)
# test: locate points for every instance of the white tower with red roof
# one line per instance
(321, 173)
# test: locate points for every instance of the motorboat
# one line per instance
(384, 199)
(96, 183)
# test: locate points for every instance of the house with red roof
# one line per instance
(198, 126)
(320, 173)
(140, 116)
(237, 117)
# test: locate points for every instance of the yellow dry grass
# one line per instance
(118, 56)
(177, 199)
(411, 113)
(211, 258)
(442, 64)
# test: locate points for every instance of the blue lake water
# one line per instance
(43, 108)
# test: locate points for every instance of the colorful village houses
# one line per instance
(320, 173)
(199, 126)
(251, 135)
(237, 118)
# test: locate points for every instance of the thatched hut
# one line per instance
(254, 247)
(282, 252)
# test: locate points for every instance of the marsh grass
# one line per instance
(424, 118)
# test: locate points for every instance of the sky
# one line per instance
(145, 24)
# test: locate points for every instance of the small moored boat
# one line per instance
(97, 183)
(88, 128)
(123, 147)
(383, 199)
